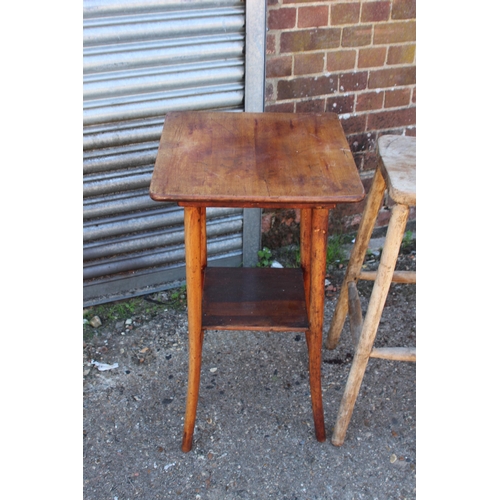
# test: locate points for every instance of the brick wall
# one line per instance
(353, 58)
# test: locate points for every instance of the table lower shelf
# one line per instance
(254, 299)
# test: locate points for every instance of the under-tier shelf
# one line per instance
(254, 299)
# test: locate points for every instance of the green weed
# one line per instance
(297, 257)
(407, 239)
(177, 298)
(265, 257)
(112, 312)
(335, 251)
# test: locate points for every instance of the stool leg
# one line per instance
(395, 233)
(319, 235)
(193, 217)
(358, 253)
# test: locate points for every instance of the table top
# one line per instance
(265, 160)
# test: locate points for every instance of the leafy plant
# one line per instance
(265, 257)
(369, 254)
(335, 252)
(177, 298)
(116, 311)
(407, 239)
(123, 310)
(297, 257)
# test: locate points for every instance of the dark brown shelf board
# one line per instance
(254, 299)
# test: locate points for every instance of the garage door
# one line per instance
(141, 60)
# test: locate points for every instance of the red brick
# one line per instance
(353, 124)
(280, 227)
(392, 77)
(342, 213)
(394, 32)
(368, 101)
(358, 160)
(362, 142)
(391, 119)
(340, 104)
(383, 218)
(281, 18)
(279, 66)
(350, 213)
(307, 87)
(311, 106)
(349, 82)
(411, 131)
(282, 107)
(357, 36)
(392, 131)
(308, 63)
(266, 221)
(372, 57)
(349, 209)
(370, 162)
(375, 11)
(345, 13)
(313, 16)
(305, 40)
(401, 54)
(269, 91)
(339, 60)
(404, 9)
(271, 44)
(397, 98)
(414, 96)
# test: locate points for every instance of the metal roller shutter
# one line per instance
(142, 59)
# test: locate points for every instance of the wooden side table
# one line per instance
(264, 160)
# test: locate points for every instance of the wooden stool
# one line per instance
(395, 172)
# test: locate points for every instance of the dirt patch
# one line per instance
(254, 436)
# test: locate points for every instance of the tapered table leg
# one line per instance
(319, 235)
(193, 218)
(305, 254)
(203, 240)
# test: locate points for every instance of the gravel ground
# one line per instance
(254, 435)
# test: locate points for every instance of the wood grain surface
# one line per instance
(254, 299)
(398, 163)
(262, 160)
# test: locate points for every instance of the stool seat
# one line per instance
(398, 166)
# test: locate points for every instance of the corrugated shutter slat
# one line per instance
(141, 60)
